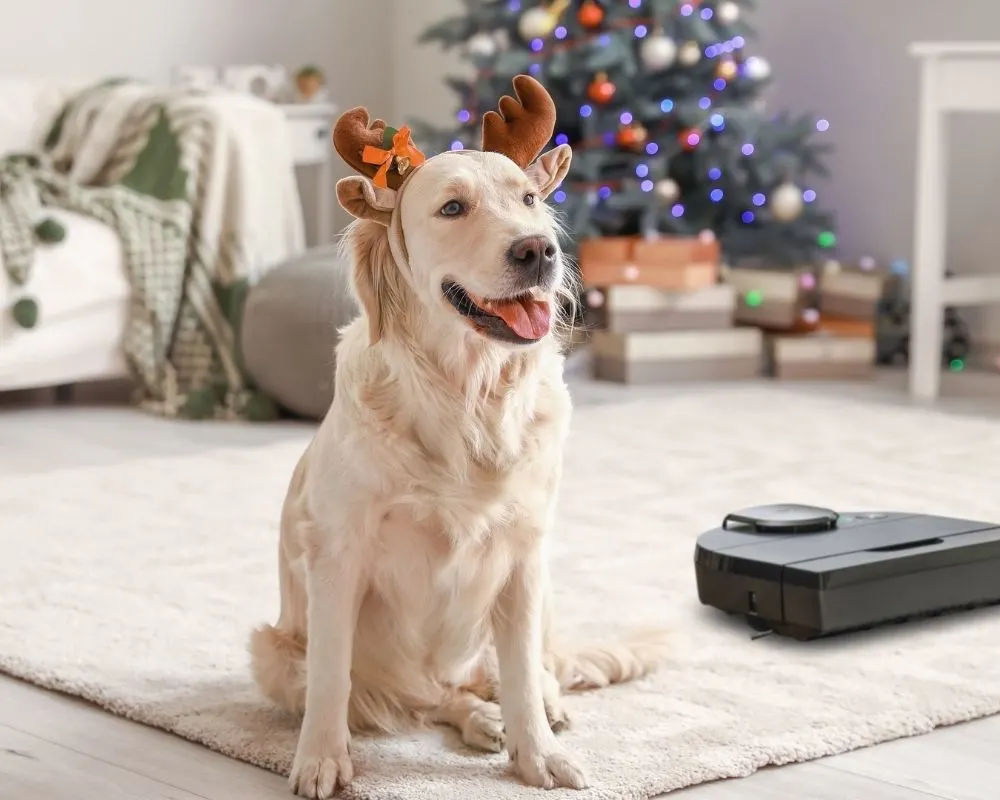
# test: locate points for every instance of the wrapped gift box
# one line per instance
(850, 291)
(656, 357)
(675, 263)
(841, 348)
(780, 300)
(636, 309)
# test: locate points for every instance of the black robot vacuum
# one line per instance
(808, 572)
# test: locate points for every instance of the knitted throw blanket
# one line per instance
(162, 168)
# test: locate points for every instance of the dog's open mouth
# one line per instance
(521, 319)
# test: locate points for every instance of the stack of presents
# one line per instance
(666, 309)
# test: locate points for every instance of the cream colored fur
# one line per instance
(414, 582)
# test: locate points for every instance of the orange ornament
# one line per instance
(601, 90)
(727, 69)
(690, 138)
(590, 15)
(632, 137)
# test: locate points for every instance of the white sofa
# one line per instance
(79, 284)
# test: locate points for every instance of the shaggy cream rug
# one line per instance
(135, 586)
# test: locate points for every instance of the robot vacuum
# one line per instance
(808, 572)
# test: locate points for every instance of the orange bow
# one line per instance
(403, 151)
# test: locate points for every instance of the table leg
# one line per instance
(927, 315)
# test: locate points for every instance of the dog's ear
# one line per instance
(363, 200)
(375, 278)
(550, 168)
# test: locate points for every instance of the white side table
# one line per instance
(310, 127)
(963, 76)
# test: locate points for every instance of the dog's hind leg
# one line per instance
(478, 720)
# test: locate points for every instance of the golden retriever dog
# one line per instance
(412, 560)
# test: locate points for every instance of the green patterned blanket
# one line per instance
(151, 164)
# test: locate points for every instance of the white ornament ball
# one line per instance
(658, 52)
(786, 202)
(690, 54)
(757, 68)
(535, 23)
(831, 267)
(727, 13)
(482, 45)
(667, 189)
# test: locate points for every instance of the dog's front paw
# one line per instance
(554, 711)
(484, 728)
(318, 776)
(549, 767)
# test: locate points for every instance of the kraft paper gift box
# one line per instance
(677, 263)
(637, 309)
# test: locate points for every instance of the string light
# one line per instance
(652, 148)
(604, 192)
(608, 138)
(625, 117)
(807, 281)
(560, 32)
(956, 365)
(758, 199)
(707, 13)
(514, 5)
(559, 196)
(666, 106)
(694, 139)
(754, 298)
(826, 239)
(823, 125)
(537, 44)
(634, 3)
(604, 40)
(810, 316)
(585, 110)
(705, 103)
(714, 173)
(718, 121)
(646, 186)
(716, 195)
(712, 51)
(687, 10)
(464, 115)
(720, 84)
(747, 149)
(739, 42)
(640, 31)
(677, 210)
(809, 195)
(534, 69)
(747, 217)
(642, 170)
(457, 145)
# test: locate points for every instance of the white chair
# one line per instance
(962, 76)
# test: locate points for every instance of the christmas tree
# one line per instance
(662, 104)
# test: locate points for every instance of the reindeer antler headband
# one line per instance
(519, 129)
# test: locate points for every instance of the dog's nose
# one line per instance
(533, 256)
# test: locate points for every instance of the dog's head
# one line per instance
(470, 234)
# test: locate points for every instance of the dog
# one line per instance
(412, 559)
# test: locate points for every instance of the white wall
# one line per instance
(146, 38)
(847, 60)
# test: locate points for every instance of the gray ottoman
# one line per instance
(289, 330)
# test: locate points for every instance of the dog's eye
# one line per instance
(452, 209)
(529, 199)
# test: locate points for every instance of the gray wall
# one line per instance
(846, 60)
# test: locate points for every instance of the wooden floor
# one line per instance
(57, 748)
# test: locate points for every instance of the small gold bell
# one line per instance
(402, 165)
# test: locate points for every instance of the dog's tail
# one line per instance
(598, 665)
(278, 666)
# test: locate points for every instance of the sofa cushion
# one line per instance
(289, 330)
(28, 107)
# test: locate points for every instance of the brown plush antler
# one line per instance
(382, 153)
(523, 126)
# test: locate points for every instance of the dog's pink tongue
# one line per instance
(527, 317)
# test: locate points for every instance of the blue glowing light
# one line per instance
(608, 138)
(716, 195)
(687, 10)
(718, 121)
(809, 195)
(585, 110)
(748, 149)
(604, 192)
(534, 69)
(604, 40)
(677, 210)
(562, 138)
(537, 44)
(457, 145)
(646, 186)
(640, 31)
(719, 84)
(728, 47)
(823, 125)
(634, 3)
(625, 117)
(652, 148)
(705, 102)
(707, 13)
(747, 217)
(642, 170)
(666, 106)
(714, 174)
(560, 32)
(739, 42)
(559, 196)
(464, 115)
(759, 199)
(514, 5)
(712, 51)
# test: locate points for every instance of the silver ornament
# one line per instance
(658, 52)
(690, 54)
(667, 189)
(482, 45)
(786, 202)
